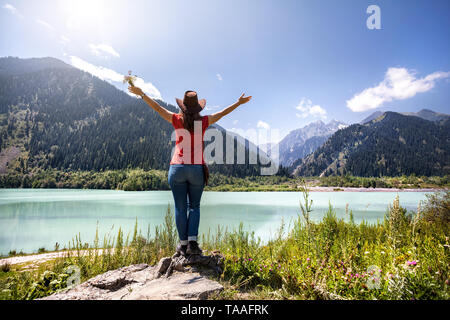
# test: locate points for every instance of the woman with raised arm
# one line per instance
(188, 172)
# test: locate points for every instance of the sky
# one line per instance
(300, 60)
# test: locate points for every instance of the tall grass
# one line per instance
(403, 256)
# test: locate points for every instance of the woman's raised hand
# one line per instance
(136, 90)
(243, 100)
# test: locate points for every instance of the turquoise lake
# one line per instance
(35, 218)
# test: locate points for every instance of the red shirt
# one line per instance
(188, 151)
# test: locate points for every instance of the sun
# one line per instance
(84, 13)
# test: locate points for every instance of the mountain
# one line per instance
(428, 115)
(16, 66)
(391, 145)
(424, 114)
(53, 115)
(373, 116)
(301, 142)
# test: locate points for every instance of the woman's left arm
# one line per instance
(163, 112)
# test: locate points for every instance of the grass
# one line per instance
(405, 256)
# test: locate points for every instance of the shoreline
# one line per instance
(310, 189)
(354, 189)
(41, 257)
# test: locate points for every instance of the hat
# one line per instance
(190, 103)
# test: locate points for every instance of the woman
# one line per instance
(186, 175)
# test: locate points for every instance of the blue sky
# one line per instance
(300, 60)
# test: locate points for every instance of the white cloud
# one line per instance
(307, 109)
(219, 77)
(398, 84)
(148, 88)
(113, 76)
(12, 9)
(235, 122)
(103, 50)
(263, 125)
(45, 24)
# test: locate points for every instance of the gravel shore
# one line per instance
(344, 189)
(37, 258)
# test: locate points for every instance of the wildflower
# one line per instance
(307, 259)
(382, 252)
(367, 252)
(411, 263)
(130, 79)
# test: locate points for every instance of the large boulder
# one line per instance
(173, 278)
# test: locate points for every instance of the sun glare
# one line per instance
(85, 13)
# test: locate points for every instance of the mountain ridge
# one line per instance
(390, 145)
(426, 114)
(301, 142)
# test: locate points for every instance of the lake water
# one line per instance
(34, 218)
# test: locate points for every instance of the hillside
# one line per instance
(391, 145)
(55, 116)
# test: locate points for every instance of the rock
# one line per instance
(179, 286)
(162, 266)
(172, 278)
(197, 263)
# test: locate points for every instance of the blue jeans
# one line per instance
(186, 182)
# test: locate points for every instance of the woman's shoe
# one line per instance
(193, 248)
(181, 249)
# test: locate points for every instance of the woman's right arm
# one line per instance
(219, 115)
(163, 112)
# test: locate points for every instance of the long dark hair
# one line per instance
(188, 120)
